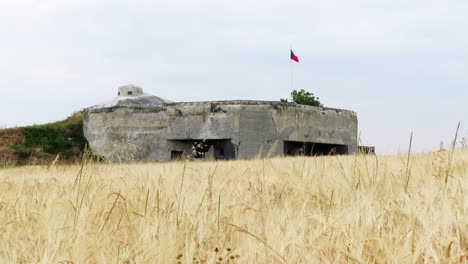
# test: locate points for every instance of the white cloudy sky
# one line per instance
(401, 65)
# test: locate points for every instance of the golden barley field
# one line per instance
(336, 209)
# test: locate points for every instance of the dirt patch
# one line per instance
(8, 138)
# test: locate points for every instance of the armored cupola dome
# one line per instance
(130, 90)
(133, 96)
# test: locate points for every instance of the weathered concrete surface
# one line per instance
(138, 131)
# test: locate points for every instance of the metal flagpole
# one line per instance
(292, 74)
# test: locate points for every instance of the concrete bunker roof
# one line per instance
(257, 102)
(138, 99)
(140, 104)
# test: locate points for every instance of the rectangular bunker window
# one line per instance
(218, 149)
(129, 93)
(176, 155)
(223, 150)
(299, 148)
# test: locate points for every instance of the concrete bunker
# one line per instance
(135, 126)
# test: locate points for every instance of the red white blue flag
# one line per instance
(294, 57)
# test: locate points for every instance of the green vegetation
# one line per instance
(303, 97)
(64, 137)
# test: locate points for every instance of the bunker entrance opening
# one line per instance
(176, 154)
(218, 149)
(298, 148)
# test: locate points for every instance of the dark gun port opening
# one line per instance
(299, 148)
(217, 149)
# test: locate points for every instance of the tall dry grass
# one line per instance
(339, 209)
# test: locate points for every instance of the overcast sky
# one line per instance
(402, 66)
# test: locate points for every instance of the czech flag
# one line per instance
(294, 57)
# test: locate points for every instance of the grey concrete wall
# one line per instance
(257, 132)
(200, 123)
(320, 125)
(133, 133)
(125, 134)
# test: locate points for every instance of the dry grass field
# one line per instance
(337, 209)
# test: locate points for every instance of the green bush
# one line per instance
(304, 98)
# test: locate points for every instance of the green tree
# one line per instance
(303, 97)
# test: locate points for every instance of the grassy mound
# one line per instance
(41, 144)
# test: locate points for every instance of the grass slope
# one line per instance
(42, 143)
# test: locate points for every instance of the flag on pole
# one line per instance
(294, 57)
